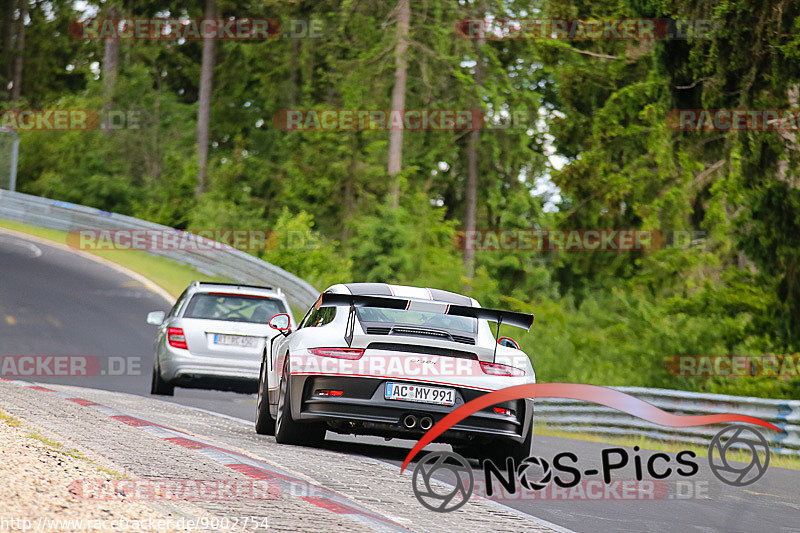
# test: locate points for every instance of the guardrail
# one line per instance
(227, 262)
(578, 416)
(565, 415)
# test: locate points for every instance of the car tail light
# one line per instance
(327, 392)
(341, 353)
(503, 411)
(176, 338)
(496, 369)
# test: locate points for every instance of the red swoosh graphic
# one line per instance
(577, 391)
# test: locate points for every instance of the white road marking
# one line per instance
(35, 250)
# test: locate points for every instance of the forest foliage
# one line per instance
(590, 148)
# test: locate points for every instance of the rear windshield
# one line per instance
(416, 318)
(233, 307)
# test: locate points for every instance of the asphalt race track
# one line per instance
(55, 302)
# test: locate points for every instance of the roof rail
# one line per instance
(279, 291)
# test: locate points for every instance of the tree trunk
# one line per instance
(16, 89)
(791, 143)
(294, 72)
(399, 98)
(110, 69)
(472, 170)
(8, 43)
(204, 102)
(349, 195)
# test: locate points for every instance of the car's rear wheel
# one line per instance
(287, 430)
(158, 385)
(498, 450)
(265, 424)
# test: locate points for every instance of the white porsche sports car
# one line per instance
(391, 361)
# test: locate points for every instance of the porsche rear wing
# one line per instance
(521, 320)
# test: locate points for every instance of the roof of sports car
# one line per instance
(405, 291)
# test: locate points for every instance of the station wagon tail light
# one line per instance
(176, 338)
(496, 369)
(340, 353)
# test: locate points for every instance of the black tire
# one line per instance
(471, 451)
(158, 385)
(287, 430)
(502, 449)
(265, 424)
(499, 450)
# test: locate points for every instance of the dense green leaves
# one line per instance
(590, 115)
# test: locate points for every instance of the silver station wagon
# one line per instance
(213, 337)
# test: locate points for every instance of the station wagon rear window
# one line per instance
(233, 307)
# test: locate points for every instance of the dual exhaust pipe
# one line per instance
(410, 422)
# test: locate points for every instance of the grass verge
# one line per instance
(172, 277)
(8, 419)
(55, 446)
(49, 443)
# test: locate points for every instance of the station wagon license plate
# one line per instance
(419, 393)
(242, 341)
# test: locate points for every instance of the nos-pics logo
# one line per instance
(444, 481)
